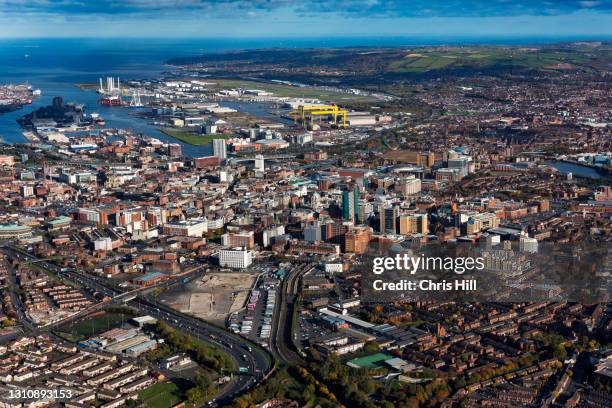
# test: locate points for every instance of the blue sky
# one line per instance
(316, 18)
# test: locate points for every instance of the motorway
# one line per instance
(256, 361)
(244, 353)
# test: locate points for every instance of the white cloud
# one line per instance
(589, 4)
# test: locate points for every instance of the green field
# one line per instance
(93, 326)
(193, 138)
(420, 63)
(162, 395)
(368, 66)
(488, 57)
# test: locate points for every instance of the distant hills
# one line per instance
(394, 63)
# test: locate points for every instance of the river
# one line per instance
(576, 169)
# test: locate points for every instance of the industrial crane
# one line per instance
(308, 113)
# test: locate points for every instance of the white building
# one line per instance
(361, 120)
(527, 244)
(409, 186)
(461, 163)
(236, 258)
(27, 191)
(215, 223)
(225, 176)
(490, 240)
(219, 148)
(270, 233)
(304, 138)
(210, 128)
(260, 163)
(103, 244)
(195, 227)
(334, 267)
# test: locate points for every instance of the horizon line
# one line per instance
(451, 38)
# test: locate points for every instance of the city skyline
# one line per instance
(291, 204)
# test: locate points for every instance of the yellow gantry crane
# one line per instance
(308, 113)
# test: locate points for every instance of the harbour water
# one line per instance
(55, 65)
(576, 169)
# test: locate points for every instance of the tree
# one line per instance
(371, 347)
(412, 402)
(203, 381)
(560, 352)
(368, 386)
(194, 395)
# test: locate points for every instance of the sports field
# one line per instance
(371, 361)
(193, 138)
(92, 326)
(161, 395)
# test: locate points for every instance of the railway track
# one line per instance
(282, 341)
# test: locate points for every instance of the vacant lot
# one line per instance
(215, 296)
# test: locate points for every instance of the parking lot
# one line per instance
(256, 319)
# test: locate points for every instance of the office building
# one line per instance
(313, 232)
(387, 219)
(350, 205)
(528, 244)
(365, 211)
(413, 224)
(260, 164)
(189, 228)
(219, 148)
(235, 258)
(461, 164)
(357, 240)
(175, 150)
(408, 186)
(479, 222)
(244, 239)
